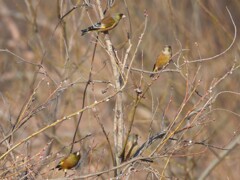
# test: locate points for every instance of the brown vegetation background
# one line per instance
(45, 65)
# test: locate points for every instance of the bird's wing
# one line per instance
(107, 22)
(154, 66)
(98, 25)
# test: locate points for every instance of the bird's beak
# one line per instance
(123, 16)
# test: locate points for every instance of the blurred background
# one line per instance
(45, 65)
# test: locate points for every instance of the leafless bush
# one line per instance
(62, 92)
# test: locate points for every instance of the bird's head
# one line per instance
(133, 138)
(120, 15)
(77, 153)
(167, 49)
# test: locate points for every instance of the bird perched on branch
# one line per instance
(131, 146)
(69, 162)
(163, 59)
(105, 24)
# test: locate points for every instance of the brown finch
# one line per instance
(163, 59)
(131, 146)
(69, 162)
(105, 24)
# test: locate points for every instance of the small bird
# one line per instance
(105, 24)
(163, 59)
(131, 146)
(69, 162)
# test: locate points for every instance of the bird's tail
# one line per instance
(154, 70)
(84, 31)
(91, 28)
(58, 167)
(151, 75)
